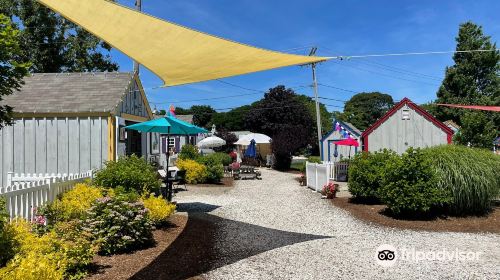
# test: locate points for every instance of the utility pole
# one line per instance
(315, 86)
(138, 7)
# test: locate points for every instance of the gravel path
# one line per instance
(275, 229)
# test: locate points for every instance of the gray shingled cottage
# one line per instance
(71, 123)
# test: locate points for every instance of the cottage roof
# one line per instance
(70, 92)
(418, 109)
(186, 118)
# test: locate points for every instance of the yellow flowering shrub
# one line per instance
(73, 203)
(195, 172)
(63, 253)
(37, 257)
(159, 210)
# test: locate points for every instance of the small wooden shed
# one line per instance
(341, 130)
(406, 125)
(71, 123)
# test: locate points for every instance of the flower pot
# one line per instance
(330, 196)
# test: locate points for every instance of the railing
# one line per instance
(26, 193)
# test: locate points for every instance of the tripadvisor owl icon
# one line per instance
(386, 255)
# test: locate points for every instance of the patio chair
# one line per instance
(180, 179)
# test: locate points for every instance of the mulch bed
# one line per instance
(376, 214)
(125, 266)
(225, 182)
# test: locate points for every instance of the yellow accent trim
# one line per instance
(143, 94)
(59, 114)
(134, 118)
(111, 138)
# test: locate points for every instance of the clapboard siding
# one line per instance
(133, 102)
(398, 134)
(53, 145)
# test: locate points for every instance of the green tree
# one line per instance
(52, 44)
(326, 117)
(12, 70)
(202, 114)
(282, 116)
(478, 129)
(364, 109)
(473, 79)
(233, 120)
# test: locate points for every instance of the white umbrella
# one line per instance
(211, 142)
(259, 139)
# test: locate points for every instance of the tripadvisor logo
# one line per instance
(386, 255)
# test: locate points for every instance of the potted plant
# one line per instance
(330, 190)
(302, 179)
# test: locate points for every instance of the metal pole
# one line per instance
(138, 7)
(318, 116)
(169, 180)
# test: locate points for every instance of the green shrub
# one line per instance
(195, 172)
(214, 166)
(470, 174)
(131, 173)
(117, 225)
(366, 172)
(410, 185)
(222, 158)
(189, 152)
(159, 209)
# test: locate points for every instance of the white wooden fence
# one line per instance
(319, 174)
(27, 192)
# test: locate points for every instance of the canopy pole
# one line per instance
(169, 181)
(137, 66)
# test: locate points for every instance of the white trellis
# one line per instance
(27, 192)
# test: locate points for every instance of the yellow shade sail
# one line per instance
(178, 55)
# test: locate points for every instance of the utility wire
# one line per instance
(385, 75)
(397, 70)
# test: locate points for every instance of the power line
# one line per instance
(385, 75)
(397, 70)
(345, 57)
(334, 87)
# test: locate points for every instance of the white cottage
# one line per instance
(406, 125)
(71, 123)
(341, 130)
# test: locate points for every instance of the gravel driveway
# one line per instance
(275, 229)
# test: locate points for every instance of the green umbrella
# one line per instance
(168, 125)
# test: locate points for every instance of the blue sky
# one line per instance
(337, 28)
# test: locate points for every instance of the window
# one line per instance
(171, 142)
(406, 114)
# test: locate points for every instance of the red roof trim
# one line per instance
(415, 107)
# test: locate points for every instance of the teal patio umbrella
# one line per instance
(171, 126)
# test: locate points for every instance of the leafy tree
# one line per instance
(202, 114)
(364, 109)
(326, 117)
(473, 79)
(477, 129)
(233, 120)
(182, 111)
(54, 44)
(282, 116)
(12, 70)
(229, 137)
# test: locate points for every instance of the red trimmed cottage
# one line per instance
(406, 125)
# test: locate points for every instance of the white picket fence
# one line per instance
(27, 192)
(319, 174)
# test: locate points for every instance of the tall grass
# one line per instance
(472, 175)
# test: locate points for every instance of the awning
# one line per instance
(473, 107)
(178, 55)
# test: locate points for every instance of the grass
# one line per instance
(472, 176)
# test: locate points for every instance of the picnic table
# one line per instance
(247, 172)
